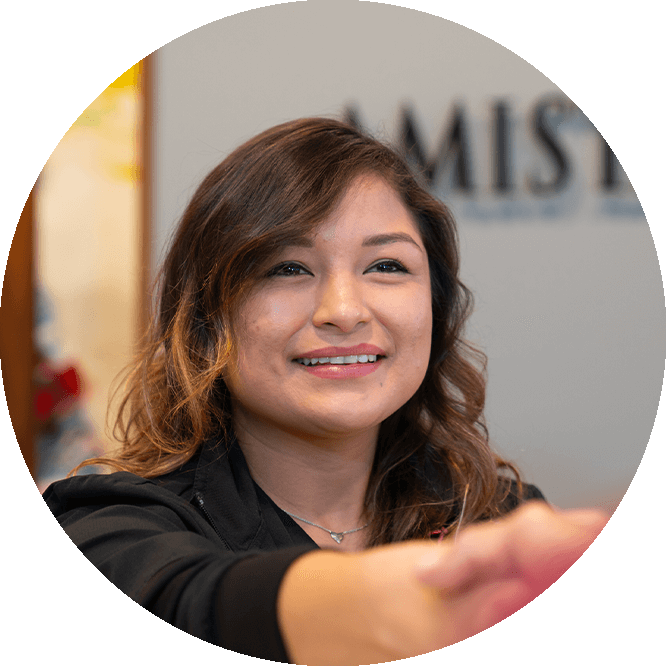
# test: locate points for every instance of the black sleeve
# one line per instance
(162, 559)
(251, 626)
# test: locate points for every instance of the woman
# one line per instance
(306, 384)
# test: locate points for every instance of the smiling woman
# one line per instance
(352, 305)
(305, 383)
(298, 225)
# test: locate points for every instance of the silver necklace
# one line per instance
(336, 536)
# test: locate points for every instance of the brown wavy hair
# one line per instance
(433, 454)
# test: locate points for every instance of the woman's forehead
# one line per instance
(369, 207)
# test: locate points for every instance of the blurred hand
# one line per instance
(496, 568)
(411, 598)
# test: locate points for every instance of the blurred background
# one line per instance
(73, 283)
(569, 299)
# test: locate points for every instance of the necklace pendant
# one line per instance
(337, 536)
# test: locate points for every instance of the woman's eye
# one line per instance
(387, 266)
(291, 269)
(288, 269)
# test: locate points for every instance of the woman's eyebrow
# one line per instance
(303, 241)
(385, 239)
(369, 241)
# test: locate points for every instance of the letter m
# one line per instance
(453, 147)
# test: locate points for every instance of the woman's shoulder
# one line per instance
(107, 489)
(174, 487)
(516, 494)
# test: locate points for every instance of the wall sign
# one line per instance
(499, 162)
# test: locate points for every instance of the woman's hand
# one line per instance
(408, 599)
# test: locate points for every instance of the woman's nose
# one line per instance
(341, 304)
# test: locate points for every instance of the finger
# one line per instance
(546, 554)
(588, 517)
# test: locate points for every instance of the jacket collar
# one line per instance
(241, 512)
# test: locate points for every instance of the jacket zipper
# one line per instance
(200, 501)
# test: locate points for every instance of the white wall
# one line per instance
(569, 295)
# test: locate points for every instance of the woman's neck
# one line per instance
(322, 480)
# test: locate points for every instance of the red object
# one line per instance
(57, 391)
(439, 534)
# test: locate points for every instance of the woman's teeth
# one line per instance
(338, 360)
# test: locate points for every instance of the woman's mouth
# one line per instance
(339, 360)
(350, 367)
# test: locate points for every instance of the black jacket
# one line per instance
(203, 548)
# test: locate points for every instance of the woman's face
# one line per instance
(358, 289)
